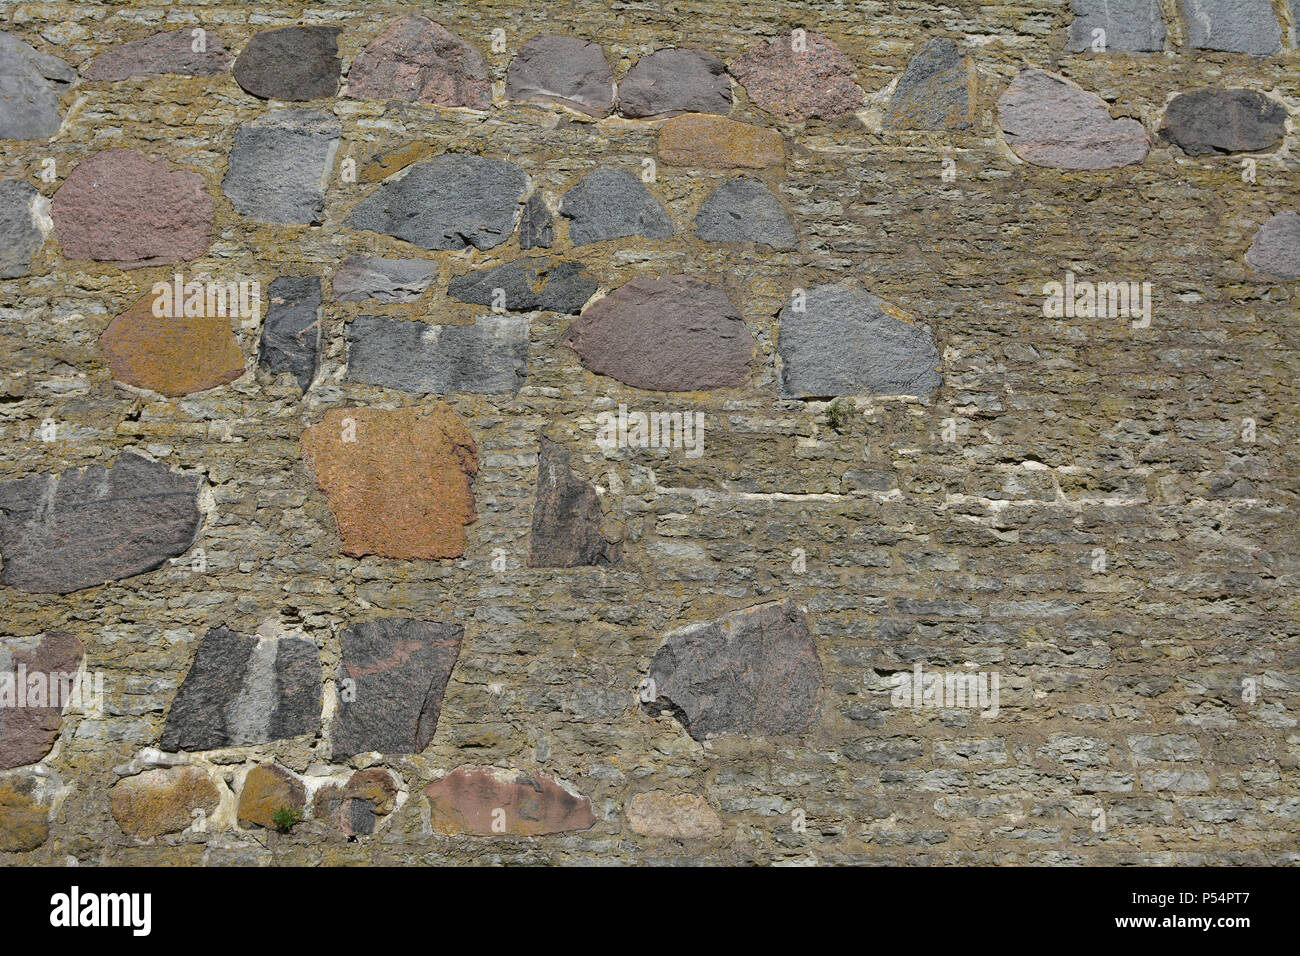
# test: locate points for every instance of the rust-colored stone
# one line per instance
(381, 167)
(715, 142)
(24, 823)
(171, 356)
(492, 802)
(162, 801)
(267, 788)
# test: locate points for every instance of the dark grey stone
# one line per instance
(527, 285)
(936, 91)
(280, 164)
(487, 357)
(1218, 120)
(170, 52)
(610, 203)
(291, 332)
(744, 210)
(563, 70)
(388, 280)
(535, 224)
(566, 516)
(1275, 250)
(20, 237)
(672, 81)
(290, 64)
(30, 84)
(1235, 26)
(1133, 26)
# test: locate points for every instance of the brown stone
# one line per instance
(683, 816)
(267, 788)
(799, 76)
(171, 356)
(381, 167)
(492, 802)
(24, 822)
(715, 142)
(29, 723)
(374, 784)
(162, 801)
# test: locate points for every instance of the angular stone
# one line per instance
(291, 333)
(387, 280)
(170, 52)
(30, 84)
(395, 671)
(397, 481)
(815, 80)
(679, 816)
(20, 237)
(610, 203)
(242, 690)
(1235, 26)
(280, 165)
(472, 799)
(672, 334)
(563, 70)
(418, 61)
(171, 356)
(936, 91)
(754, 671)
(527, 285)
(451, 202)
(267, 788)
(384, 165)
(1275, 250)
(535, 224)
(744, 210)
(715, 142)
(356, 808)
(566, 516)
(61, 533)
(487, 356)
(1217, 120)
(123, 208)
(1051, 121)
(848, 342)
(37, 678)
(24, 820)
(290, 64)
(156, 802)
(1129, 25)
(672, 81)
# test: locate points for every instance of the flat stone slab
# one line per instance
(290, 64)
(418, 61)
(30, 85)
(1050, 121)
(677, 816)
(451, 202)
(799, 78)
(1218, 120)
(563, 70)
(527, 285)
(162, 53)
(672, 81)
(1234, 26)
(20, 237)
(936, 91)
(673, 334)
(385, 280)
(61, 533)
(566, 516)
(490, 802)
(744, 210)
(848, 342)
(267, 788)
(715, 142)
(161, 801)
(1133, 26)
(172, 355)
(280, 165)
(397, 480)
(754, 671)
(488, 357)
(37, 678)
(535, 225)
(123, 208)
(1275, 250)
(291, 331)
(386, 164)
(611, 203)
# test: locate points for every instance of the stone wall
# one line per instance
(413, 587)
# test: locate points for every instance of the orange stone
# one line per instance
(381, 167)
(702, 139)
(171, 356)
(397, 480)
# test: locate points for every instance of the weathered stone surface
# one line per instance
(172, 356)
(395, 672)
(754, 671)
(1235, 26)
(387, 280)
(242, 690)
(1129, 25)
(562, 70)
(473, 799)
(356, 808)
(527, 285)
(936, 91)
(384, 165)
(30, 84)
(123, 208)
(419, 61)
(267, 788)
(672, 81)
(156, 802)
(24, 820)
(535, 224)
(848, 342)
(170, 52)
(673, 334)
(61, 533)
(1275, 250)
(291, 331)
(715, 142)
(744, 210)
(290, 64)
(1051, 121)
(566, 516)
(397, 481)
(280, 165)
(681, 816)
(20, 237)
(488, 356)
(611, 203)
(1218, 120)
(37, 677)
(799, 82)
(451, 202)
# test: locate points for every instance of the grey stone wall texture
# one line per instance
(407, 640)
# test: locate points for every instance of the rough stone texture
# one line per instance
(172, 356)
(20, 237)
(491, 802)
(936, 91)
(267, 788)
(847, 342)
(754, 671)
(527, 285)
(1236, 26)
(157, 802)
(673, 334)
(24, 821)
(1275, 249)
(566, 516)
(78, 529)
(386, 280)
(290, 64)
(241, 690)
(170, 52)
(744, 210)
(397, 481)
(564, 70)
(358, 807)
(1050, 121)
(291, 331)
(1217, 120)
(30, 85)
(797, 84)
(451, 202)
(535, 225)
(487, 356)
(680, 816)
(612, 203)
(29, 725)
(280, 165)
(419, 61)
(385, 164)
(716, 142)
(392, 678)
(672, 81)
(123, 208)
(1129, 25)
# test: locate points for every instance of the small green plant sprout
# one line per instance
(285, 819)
(837, 414)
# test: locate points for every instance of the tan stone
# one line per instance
(702, 139)
(381, 167)
(24, 823)
(171, 356)
(685, 816)
(376, 785)
(162, 801)
(267, 788)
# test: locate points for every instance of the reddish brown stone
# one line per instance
(715, 142)
(30, 672)
(492, 802)
(171, 356)
(267, 788)
(162, 801)
(419, 61)
(799, 77)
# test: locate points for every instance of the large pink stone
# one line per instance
(488, 802)
(30, 672)
(420, 61)
(799, 76)
(1050, 121)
